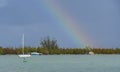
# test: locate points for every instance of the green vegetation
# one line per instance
(48, 43)
(4, 51)
(50, 46)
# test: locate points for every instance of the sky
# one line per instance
(73, 23)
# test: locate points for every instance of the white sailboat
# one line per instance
(23, 55)
(91, 53)
(35, 53)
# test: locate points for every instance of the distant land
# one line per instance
(49, 47)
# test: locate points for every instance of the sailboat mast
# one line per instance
(23, 43)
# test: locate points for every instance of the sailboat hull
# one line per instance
(24, 56)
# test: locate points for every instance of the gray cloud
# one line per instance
(23, 12)
(3, 3)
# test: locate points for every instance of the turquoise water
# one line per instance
(61, 63)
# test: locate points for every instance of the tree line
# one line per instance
(50, 46)
(46, 51)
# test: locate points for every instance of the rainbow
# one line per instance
(76, 32)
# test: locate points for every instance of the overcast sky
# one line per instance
(100, 19)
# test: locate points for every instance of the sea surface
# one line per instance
(61, 63)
